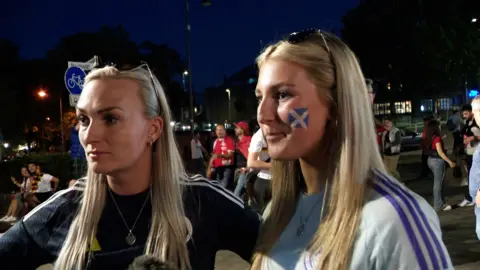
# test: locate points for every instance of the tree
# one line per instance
(10, 89)
(417, 46)
(166, 63)
(20, 81)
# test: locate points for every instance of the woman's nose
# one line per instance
(90, 134)
(266, 111)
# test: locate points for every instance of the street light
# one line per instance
(189, 69)
(474, 20)
(43, 94)
(229, 106)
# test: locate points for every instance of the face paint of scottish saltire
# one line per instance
(298, 118)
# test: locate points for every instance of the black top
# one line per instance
(218, 219)
(467, 129)
(240, 160)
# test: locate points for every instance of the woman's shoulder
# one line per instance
(203, 190)
(399, 229)
(62, 203)
(391, 201)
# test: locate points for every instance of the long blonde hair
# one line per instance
(168, 231)
(349, 143)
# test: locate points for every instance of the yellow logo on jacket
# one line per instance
(94, 245)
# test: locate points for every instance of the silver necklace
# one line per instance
(130, 238)
(301, 227)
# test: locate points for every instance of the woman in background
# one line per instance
(16, 204)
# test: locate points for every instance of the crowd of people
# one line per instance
(239, 164)
(326, 198)
(35, 187)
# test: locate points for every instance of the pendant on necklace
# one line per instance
(300, 229)
(130, 239)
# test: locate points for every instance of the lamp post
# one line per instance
(229, 106)
(185, 89)
(188, 72)
(43, 94)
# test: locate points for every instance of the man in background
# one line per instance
(471, 137)
(242, 131)
(198, 152)
(222, 160)
(391, 142)
(379, 128)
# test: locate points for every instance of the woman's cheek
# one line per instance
(283, 113)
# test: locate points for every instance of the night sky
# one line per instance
(226, 36)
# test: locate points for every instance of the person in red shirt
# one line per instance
(222, 158)
(243, 143)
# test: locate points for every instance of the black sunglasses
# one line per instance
(299, 37)
(134, 66)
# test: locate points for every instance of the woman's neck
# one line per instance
(314, 175)
(133, 180)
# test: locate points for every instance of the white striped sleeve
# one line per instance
(399, 230)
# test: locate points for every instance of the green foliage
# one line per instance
(20, 80)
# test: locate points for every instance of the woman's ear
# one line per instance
(155, 128)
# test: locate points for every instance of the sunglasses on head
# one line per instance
(299, 37)
(304, 35)
(134, 66)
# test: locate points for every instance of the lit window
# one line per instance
(444, 104)
(381, 108)
(403, 107)
(426, 105)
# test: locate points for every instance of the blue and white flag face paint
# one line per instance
(298, 118)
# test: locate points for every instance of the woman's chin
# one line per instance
(99, 168)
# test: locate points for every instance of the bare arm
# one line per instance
(55, 183)
(254, 163)
(14, 181)
(442, 154)
(228, 155)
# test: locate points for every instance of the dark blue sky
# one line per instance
(225, 36)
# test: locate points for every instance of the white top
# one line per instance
(470, 147)
(398, 230)
(44, 184)
(196, 147)
(259, 145)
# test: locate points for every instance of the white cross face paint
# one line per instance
(298, 118)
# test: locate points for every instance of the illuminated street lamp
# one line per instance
(43, 94)
(474, 20)
(229, 105)
(188, 72)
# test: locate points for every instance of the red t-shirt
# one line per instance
(436, 139)
(243, 145)
(222, 147)
(380, 131)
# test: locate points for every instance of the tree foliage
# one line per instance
(419, 46)
(20, 80)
